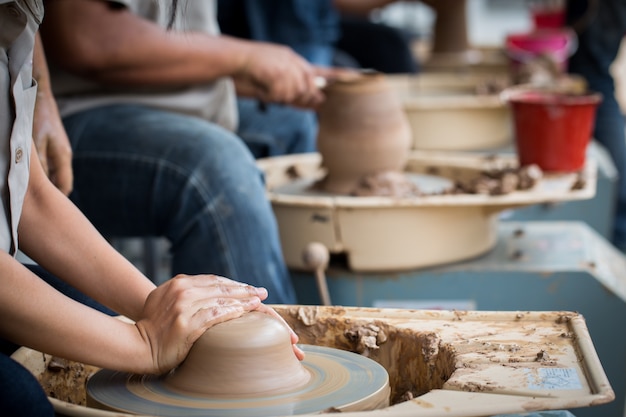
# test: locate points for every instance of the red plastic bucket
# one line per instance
(558, 44)
(552, 129)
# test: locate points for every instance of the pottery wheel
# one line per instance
(339, 379)
(427, 184)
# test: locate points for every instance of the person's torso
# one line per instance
(213, 101)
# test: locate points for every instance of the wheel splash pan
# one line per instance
(380, 234)
(440, 363)
(455, 112)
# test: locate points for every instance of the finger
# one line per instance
(61, 173)
(293, 336)
(248, 303)
(210, 279)
(268, 310)
(225, 310)
(231, 291)
(64, 180)
(222, 285)
(42, 151)
(298, 352)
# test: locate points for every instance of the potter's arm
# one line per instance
(114, 46)
(55, 234)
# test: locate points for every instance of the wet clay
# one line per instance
(248, 356)
(362, 130)
(427, 353)
(246, 367)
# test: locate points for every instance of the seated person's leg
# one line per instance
(274, 130)
(145, 172)
(599, 41)
(20, 393)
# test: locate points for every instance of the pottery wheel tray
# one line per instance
(390, 234)
(440, 363)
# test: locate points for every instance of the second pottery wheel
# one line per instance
(230, 376)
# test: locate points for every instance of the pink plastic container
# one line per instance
(551, 129)
(558, 44)
(548, 19)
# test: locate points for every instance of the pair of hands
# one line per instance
(274, 73)
(180, 310)
(177, 312)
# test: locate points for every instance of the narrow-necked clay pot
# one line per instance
(363, 130)
(248, 356)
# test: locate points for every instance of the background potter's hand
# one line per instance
(53, 145)
(179, 311)
(275, 73)
(51, 141)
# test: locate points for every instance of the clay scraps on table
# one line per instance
(500, 181)
(386, 184)
(489, 182)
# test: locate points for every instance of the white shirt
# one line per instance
(215, 101)
(19, 21)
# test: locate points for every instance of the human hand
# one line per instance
(51, 141)
(328, 75)
(179, 311)
(275, 73)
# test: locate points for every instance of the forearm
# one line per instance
(124, 49)
(54, 233)
(186, 59)
(36, 315)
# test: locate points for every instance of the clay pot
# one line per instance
(363, 130)
(248, 356)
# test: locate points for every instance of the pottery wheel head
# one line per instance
(251, 355)
(246, 367)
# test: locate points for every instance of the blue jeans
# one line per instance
(598, 45)
(310, 28)
(274, 129)
(140, 171)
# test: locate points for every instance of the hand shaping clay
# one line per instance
(363, 130)
(248, 356)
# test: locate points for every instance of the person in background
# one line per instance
(38, 219)
(149, 102)
(601, 27)
(340, 32)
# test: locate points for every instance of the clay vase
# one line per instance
(363, 130)
(245, 357)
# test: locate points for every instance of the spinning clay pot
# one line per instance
(248, 356)
(363, 130)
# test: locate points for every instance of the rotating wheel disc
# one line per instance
(339, 379)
